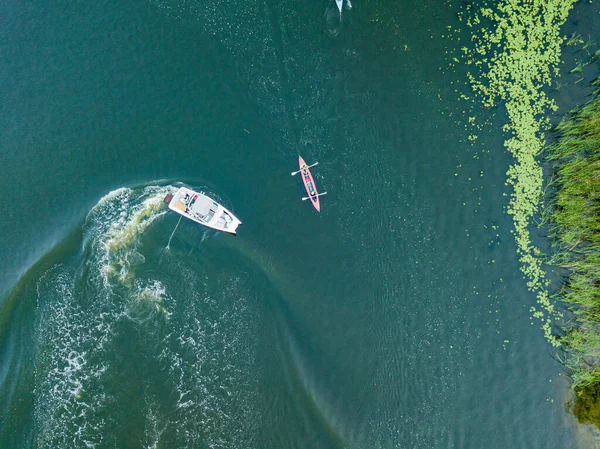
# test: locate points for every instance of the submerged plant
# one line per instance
(578, 67)
(574, 39)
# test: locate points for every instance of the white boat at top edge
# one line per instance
(202, 209)
(340, 4)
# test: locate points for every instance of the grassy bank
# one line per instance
(575, 228)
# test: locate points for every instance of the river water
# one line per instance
(395, 318)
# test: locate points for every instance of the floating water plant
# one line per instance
(517, 48)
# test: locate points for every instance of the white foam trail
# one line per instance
(154, 425)
(198, 336)
(147, 299)
(63, 369)
(209, 368)
(116, 224)
(75, 325)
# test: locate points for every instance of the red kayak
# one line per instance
(309, 183)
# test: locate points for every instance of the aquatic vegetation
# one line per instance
(575, 228)
(586, 407)
(574, 39)
(517, 48)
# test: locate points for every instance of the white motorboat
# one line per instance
(202, 209)
(340, 5)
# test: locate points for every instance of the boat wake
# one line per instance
(114, 227)
(298, 367)
(137, 344)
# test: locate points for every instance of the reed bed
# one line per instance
(575, 229)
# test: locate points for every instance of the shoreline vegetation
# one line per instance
(575, 230)
(517, 49)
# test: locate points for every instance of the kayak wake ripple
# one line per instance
(136, 344)
(290, 75)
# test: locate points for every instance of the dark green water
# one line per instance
(395, 318)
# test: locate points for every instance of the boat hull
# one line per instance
(309, 183)
(203, 210)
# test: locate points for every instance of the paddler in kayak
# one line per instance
(311, 189)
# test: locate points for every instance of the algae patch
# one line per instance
(517, 47)
(586, 406)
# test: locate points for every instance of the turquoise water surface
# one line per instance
(395, 318)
